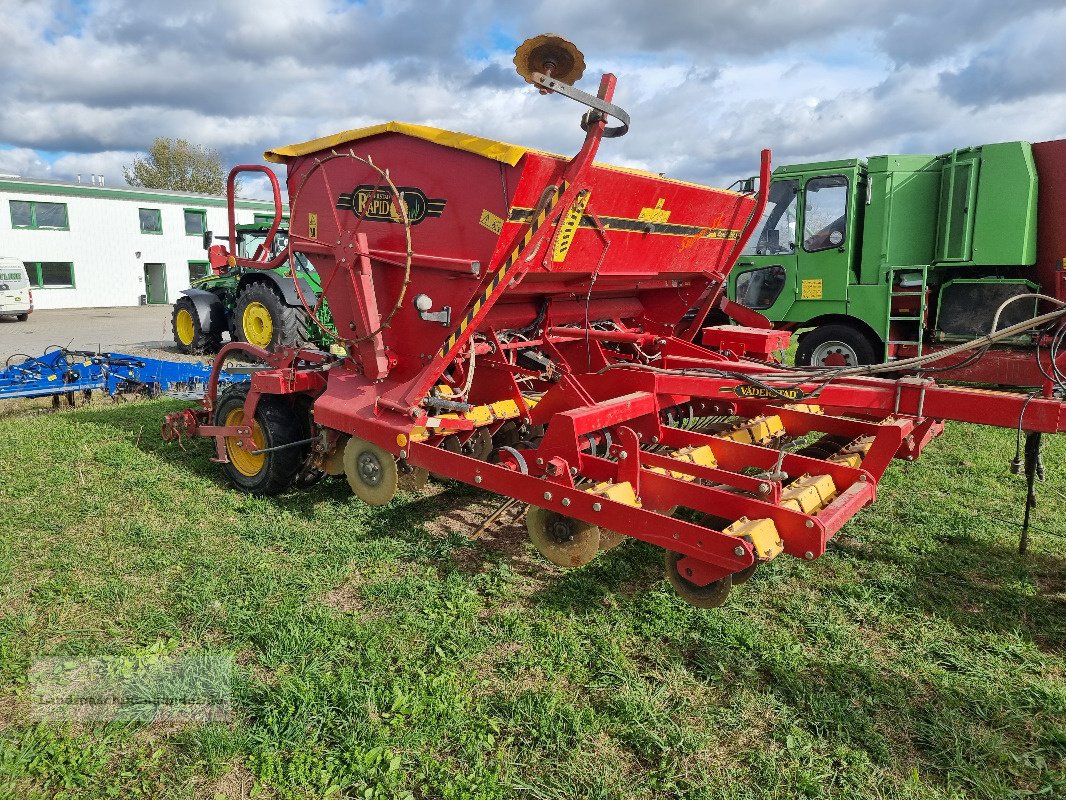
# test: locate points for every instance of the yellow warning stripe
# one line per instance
(501, 273)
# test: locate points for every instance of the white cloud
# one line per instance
(707, 85)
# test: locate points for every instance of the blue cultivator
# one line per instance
(62, 372)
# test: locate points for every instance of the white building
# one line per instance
(90, 245)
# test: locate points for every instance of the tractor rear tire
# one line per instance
(22, 317)
(276, 423)
(190, 336)
(835, 345)
(263, 319)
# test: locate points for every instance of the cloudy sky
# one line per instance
(87, 84)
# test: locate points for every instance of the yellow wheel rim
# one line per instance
(184, 326)
(257, 323)
(244, 462)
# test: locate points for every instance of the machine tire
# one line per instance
(564, 541)
(275, 424)
(848, 344)
(190, 337)
(22, 317)
(262, 318)
(371, 471)
(712, 595)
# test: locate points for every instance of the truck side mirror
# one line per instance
(208, 238)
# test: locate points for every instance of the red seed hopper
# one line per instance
(527, 323)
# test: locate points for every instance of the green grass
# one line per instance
(381, 653)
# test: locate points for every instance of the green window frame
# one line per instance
(27, 215)
(198, 270)
(39, 271)
(149, 223)
(268, 219)
(189, 214)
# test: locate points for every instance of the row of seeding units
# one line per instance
(532, 325)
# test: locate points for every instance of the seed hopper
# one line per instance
(533, 325)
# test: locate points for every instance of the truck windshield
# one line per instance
(777, 228)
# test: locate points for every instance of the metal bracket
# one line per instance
(444, 316)
(598, 106)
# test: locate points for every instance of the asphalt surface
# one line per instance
(136, 329)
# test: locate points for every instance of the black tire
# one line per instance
(279, 424)
(287, 324)
(838, 343)
(22, 317)
(185, 325)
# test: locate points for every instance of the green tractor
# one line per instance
(261, 307)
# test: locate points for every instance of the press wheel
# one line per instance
(745, 574)
(712, 595)
(564, 541)
(371, 471)
(610, 539)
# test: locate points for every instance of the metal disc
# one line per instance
(480, 444)
(371, 472)
(415, 480)
(564, 541)
(533, 55)
(745, 574)
(610, 539)
(712, 595)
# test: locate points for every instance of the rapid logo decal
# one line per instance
(376, 203)
(657, 214)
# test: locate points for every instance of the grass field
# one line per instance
(382, 653)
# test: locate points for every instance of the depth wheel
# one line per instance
(264, 320)
(712, 595)
(190, 337)
(564, 541)
(610, 539)
(371, 471)
(275, 424)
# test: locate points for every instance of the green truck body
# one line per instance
(885, 256)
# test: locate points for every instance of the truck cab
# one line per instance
(800, 267)
(877, 258)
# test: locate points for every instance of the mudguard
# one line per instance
(209, 310)
(284, 286)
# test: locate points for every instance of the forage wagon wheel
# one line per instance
(564, 541)
(190, 336)
(712, 595)
(382, 182)
(275, 425)
(371, 471)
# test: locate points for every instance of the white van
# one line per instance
(16, 299)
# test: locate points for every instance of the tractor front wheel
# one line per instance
(263, 319)
(190, 336)
(276, 425)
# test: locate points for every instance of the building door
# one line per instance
(155, 283)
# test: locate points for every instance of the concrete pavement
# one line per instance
(115, 329)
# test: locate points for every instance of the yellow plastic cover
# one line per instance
(498, 151)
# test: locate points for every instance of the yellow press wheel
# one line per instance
(564, 541)
(276, 429)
